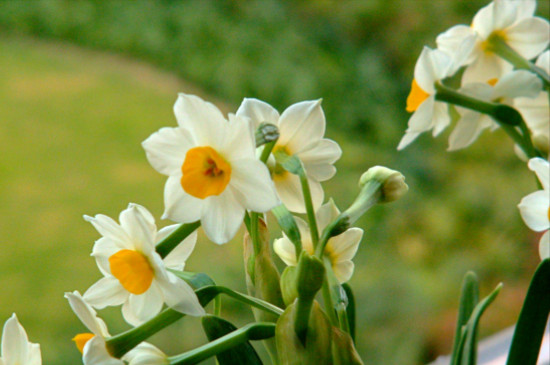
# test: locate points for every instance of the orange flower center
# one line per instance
(205, 172)
(416, 97)
(133, 270)
(81, 339)
(492, 82)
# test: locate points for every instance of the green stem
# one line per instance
(505, 116)
(499, 46)
(309, 209)
(214, 290)
(182, 232)
(301, 321)
(327, 292)
(342, 317)
(267, 151)
(122, 343)
(253, 331)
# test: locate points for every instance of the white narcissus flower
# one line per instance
(339, 249)
(535, 207)
(213, 173)
(135, 274)
(432, 66)
(301, 130)
(504, 90)
(536, 111)
(514, 22)
(93, 346)
(16, 348)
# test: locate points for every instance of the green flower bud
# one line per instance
(289, 288)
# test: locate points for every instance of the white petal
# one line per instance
(15, 343)
(535, 112)
(103, 249)
(166, 149)
(534, 210)
(326, 214)
(529, 37)
(440, 118)
(95, 353)
(141, 308)
(487, 66)
(319, 158)
(107, 227)
(106, 292)
(289, 190)
(541, 167)
(258, 112)
(179, 296)
(432, 65)
(205, 122)
(286, 250)
(251, 179)
(544, 246)
(407, 139)
(86, 314)
(240, 141)
(422, 118)
(301, 124)
(458, 42)
(343, 270)
(145, 354)
(180, 206)
(35, 357)
(495, 16)
(466, 130)
(544, 61)
(222, 216)
(139, 227)
(177, 257)
(344, 246)
(517, 83)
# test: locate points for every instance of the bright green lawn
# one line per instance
(72, 121)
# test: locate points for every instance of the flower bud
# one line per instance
(378, 185)
(266, 133)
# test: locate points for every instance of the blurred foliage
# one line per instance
(72, 122)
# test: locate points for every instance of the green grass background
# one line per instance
(72, 120)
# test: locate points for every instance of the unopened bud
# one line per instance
(266, 133)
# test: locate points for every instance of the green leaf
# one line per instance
(469, 298)
(350, 309)
(196, 280)
(529, 330)
(211, 291)
(288, 225)
(469, 351)
(244, 353)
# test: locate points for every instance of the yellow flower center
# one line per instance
(81, 339)
(492, 82)
(277, 171)
(495, 37)
(205, 172)
(549, 213)
(133, 270)
(416, 97)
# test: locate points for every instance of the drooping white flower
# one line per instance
(92, 345)
(536, 111)
(213, 172)
(16, 348)
(504, 90)
(514, 22)
(535, 207)
(339, 249)
(301, 130)
(432, 66)
(134, 273)
(146, 354)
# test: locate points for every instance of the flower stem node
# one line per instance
(265, 133)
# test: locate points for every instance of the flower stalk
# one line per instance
(169, 243)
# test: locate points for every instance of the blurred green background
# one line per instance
(82, 83)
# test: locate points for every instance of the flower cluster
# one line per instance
(491, 58)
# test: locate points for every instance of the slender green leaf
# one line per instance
(529, 330)
(469, 298)
(244, 353)
(254, 302)
(288, 225)
(469, 352)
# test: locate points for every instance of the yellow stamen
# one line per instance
(205, 172)
(416, 97)
(492, 82)
(133, 270)
(549, 213)
(81, 339)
